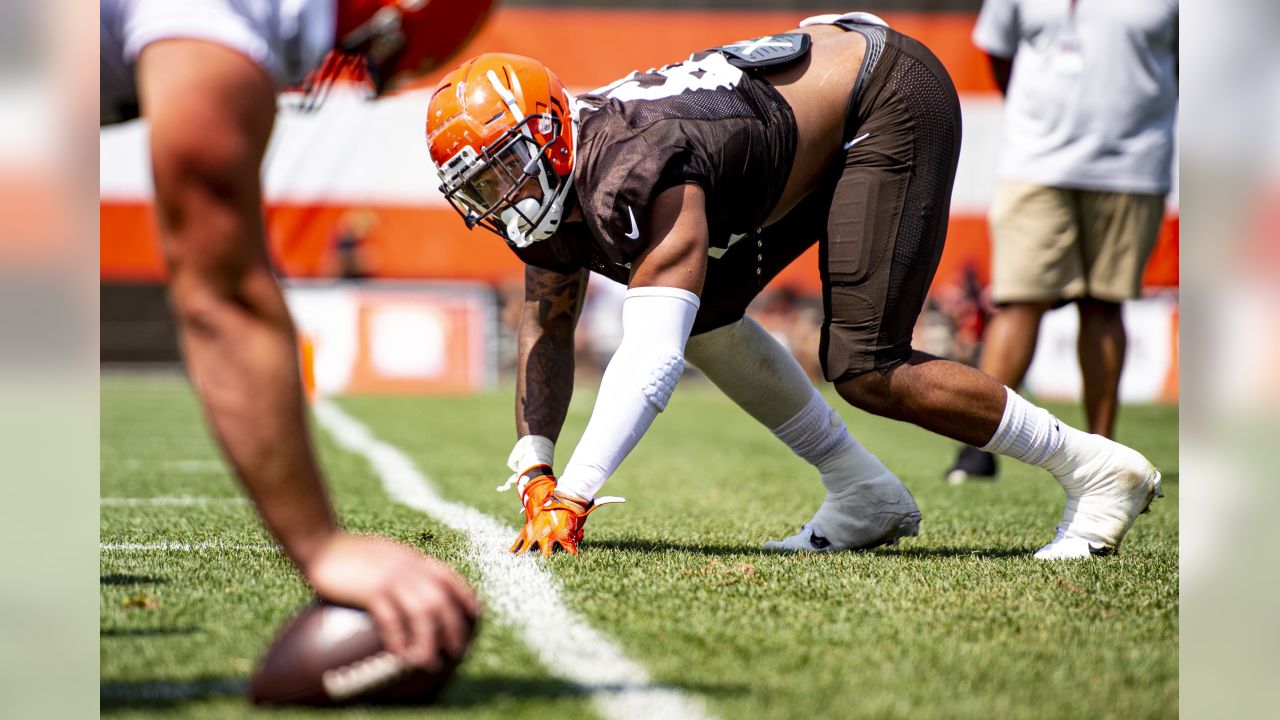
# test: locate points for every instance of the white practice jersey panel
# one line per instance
(1094, 90)
(288, 38)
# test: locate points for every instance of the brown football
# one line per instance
(329, 655)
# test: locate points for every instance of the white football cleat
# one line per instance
(1108, 486)
(804, 541)
(867, 515)
(1071, 547)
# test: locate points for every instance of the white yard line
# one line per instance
(181, 500)
(519, 591)
(167, 546)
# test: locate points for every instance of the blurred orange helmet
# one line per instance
(401, 39)
(501, 133)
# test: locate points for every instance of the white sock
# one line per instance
(751, 367)
(761, 377)
(818, 435)
(1027, 432)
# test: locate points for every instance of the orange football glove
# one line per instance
(550, 519)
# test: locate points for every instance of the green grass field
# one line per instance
(959, 622)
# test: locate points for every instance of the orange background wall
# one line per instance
(431, 242)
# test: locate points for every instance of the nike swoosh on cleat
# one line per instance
(635, 229)
(819, 542)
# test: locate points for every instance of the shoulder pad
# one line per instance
(769, 51)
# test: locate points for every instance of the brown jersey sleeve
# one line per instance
(622, 174)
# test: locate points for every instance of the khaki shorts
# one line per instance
(1062, 244)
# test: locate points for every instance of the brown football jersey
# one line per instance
(702, 121)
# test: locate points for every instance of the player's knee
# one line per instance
(870, 392)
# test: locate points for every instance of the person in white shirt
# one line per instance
(1091, 89)
(204, 75)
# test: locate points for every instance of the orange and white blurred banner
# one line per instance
(393, 337)
(354, 156)
(351, 192)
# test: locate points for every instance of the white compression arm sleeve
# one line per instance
(636, 386)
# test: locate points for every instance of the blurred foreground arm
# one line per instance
(210, 111)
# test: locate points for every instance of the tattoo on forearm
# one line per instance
(554, 297)
(542, 400)
(544, 382)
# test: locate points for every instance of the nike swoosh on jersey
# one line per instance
(856, 140)
(635, 229)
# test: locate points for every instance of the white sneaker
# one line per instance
(869, 514)
(1108, 486)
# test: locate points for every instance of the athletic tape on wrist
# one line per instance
(531, 450)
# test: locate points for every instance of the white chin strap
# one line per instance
(518, 230)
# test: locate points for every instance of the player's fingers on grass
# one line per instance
(523, 543)
(452, 626)
(423, 607)
(458, 589)
(453, 582)
(440, 611)
(390, 621)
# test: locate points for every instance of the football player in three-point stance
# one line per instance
(695, 184)
(204, 75)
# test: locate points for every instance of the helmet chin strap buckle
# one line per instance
(516, 219)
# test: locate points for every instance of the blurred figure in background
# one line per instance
(350, 244)
(205, 76)
(1091, 90)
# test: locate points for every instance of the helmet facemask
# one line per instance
(510, 186)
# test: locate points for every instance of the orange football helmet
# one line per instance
(400, 39)
(501, 131)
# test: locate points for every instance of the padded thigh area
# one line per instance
(888, 211)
